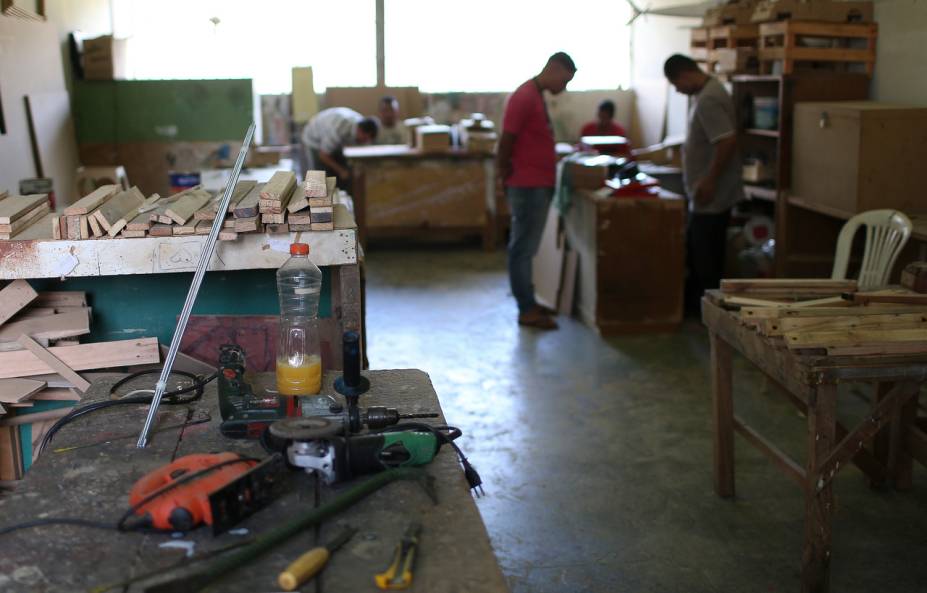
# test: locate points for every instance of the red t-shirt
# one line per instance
(534, 158)
(613, 129)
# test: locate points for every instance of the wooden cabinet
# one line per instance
(853, 156)
(631, 261)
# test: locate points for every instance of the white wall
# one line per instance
(901, 73)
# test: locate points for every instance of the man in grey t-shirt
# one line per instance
(711, 171)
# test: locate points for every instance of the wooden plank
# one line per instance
(93, 200)
(248, 206)
(321, 194)
(57, 395)
(16, 390)
(902, 299)
(11, 465)
(322, 226)
(15, 207)
(54, 363)
(133, 214)
(95, 229)
(14, 296)
(321, 214)
(300, 227)
(183, 209)
(56, 226)
(208, 212)
(26, 220)
(331, 187)
(49, 327)
(203, 227)
(247, 225)
(141, 222)
(792, 284)
(785, 463)
(227, 235)
(161, 230)
(158, 213)
(133, 234)
(60, 298)
(99, 355)
(121, 205)
(780, 326)
(73, 227)
(184, 229)
(819, 502)
(824, 339)
(273, 218)
(782, 312)
(277, 228)
(39, 417)
(879, 349)
(315, 185)
(301, 218)
(279, 188)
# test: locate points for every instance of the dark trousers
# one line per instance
(706, 239)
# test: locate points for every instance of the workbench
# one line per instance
(631, 254)
(455, 554)
(403, 193)
(137, 287)
(809, 380)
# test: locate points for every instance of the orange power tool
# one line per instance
(216, 489)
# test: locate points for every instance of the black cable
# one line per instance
(445, 435)
(171, 398)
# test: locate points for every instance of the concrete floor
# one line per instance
(595, 453)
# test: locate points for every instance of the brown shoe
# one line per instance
(547, 310)
(537, 319)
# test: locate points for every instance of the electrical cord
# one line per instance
(445, 435)
(171, 398)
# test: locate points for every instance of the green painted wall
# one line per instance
(147, 305)
(161, 110)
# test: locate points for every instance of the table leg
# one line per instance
(900, 461)
(881, 442)
(819, 503)
(722, 415)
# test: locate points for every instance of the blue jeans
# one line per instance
(529, 206)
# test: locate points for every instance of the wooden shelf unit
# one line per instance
(794, 224)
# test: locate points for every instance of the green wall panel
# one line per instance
(126, 307)
(161, 110)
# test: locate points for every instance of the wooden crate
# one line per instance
(733, 60)
(853, 156)
(734, 12)
(730, 36)
(789, 43)
(698, 44)
(820, 10)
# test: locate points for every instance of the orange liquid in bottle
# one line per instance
(300, 379)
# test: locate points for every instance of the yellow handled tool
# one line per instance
(399, 573)
(309, 564)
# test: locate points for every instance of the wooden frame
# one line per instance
(810, 382)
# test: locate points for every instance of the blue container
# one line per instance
(766, 113)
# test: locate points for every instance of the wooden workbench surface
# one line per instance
(391, 151)
(93, 483)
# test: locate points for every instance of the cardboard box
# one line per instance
(105, 58)
(433, 138)
(818, 10)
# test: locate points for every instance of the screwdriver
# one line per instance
(309, 564)
(399, 574)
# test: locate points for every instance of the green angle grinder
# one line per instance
(318, 445)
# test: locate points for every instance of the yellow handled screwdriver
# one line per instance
(399, 573)
(309, 564)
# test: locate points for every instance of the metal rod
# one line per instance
(205, 257)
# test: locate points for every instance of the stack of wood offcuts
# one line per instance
(831, 317)
(279, 206)
(43, 366)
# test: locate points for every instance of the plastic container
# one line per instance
(766, 113)
(299, 364)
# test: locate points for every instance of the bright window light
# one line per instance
(262, 41)
(495, 45)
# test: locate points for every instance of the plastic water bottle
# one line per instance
(299, 364)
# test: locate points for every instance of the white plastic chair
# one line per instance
(887, 231)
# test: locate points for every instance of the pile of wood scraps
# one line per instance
(830, 317)
(18, 213)
(40, 360)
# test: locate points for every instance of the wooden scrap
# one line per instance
(209, 211)
(60, 298)
(805, 285)
(50, 327)
(11, 453)
(227, 235)
(322, 226)
(315, 185)
(826, 339)
(93, 200)
(161, 230)
(329, 199)
(57, 394)
(321, 194)
(184, 229)
(280, 187)
(301, 218)
(98, 355)
(321, 214)
(53, 362)
(133, 234)
(73, 228)
(183, 209)
(780, 326)
(84, 227)
(133, 214)
(871, 297)
(16, 390)
(14, 297)
(248, 206)
(113, 210)
(203, 227)
(300, 227)
(56, 226)
(247, 225)
(9, 231)
(95, 229)
(273, 218)
(277, 228)
(15, 207)
(229, 223)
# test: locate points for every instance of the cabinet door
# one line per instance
(825, 156)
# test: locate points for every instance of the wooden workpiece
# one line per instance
(93, 200)
(247, 207)
(15, 207)
(799, 354)
(184, 208)
(117, 207)
(276, 193)
(208, 212)
(455, 554)
(14, 296)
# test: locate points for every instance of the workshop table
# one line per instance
(810, 380)
(455, 554)
(400, 192)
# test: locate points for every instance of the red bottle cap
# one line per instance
(299, 249)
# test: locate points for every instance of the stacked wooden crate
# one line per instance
(40, 356)
(732, 49)
(830, 317)
(788, 46)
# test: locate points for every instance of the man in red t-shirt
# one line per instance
(527, 163)
(604, 124)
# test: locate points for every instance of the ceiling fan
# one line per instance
(696, 9)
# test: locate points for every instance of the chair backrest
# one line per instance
(887, 231)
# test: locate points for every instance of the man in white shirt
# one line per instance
(392, 130)
(326, 135)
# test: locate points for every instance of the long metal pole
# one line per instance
(205, 256)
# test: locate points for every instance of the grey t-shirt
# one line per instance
(331, 129)
(711, 118)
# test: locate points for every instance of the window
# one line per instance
(257, 40)
(495, 45)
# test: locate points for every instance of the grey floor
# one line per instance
(595, 452)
